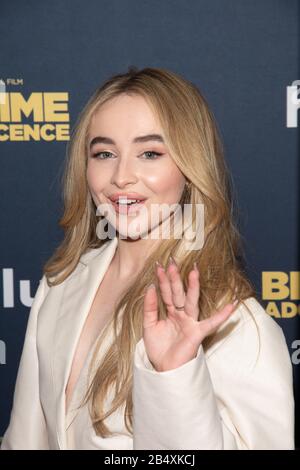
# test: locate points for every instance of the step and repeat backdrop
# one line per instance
(243, 56)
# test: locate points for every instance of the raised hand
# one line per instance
(174, 341)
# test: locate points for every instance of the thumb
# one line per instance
(210, 324)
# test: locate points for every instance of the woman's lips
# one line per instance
(128, 209)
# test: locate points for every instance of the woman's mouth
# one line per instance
(127, 206)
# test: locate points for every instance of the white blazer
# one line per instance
(221, 399)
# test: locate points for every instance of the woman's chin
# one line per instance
(131, 233)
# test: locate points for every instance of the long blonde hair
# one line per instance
(193, 141)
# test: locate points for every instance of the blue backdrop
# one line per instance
(242, 55)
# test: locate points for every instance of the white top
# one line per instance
(72, 418)
(80, 433)
(233, 395)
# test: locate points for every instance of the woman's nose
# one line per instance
(124, 173)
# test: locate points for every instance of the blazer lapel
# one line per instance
(79, 293)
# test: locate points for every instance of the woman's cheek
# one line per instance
(93, 180)
(168, 181)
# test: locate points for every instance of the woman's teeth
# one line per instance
(128, 201)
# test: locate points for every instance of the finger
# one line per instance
(178, 294)
(165, 287)
(209, 325)
(192, 296)
(150, 307)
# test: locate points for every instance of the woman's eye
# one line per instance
(153, 155)
(101, 155)
(149, 155)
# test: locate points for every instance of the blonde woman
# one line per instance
(140, 342)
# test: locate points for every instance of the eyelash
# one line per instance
(95, 155)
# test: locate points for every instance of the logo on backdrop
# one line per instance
(282, 291)
(35, 116)
(292, 103)
(14, 290)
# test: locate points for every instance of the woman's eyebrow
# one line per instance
(143, 138)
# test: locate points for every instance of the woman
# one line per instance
(140, 342)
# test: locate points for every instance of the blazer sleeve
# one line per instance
(232, 400)
(27, 427)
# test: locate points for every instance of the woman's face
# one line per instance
(127, 155)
